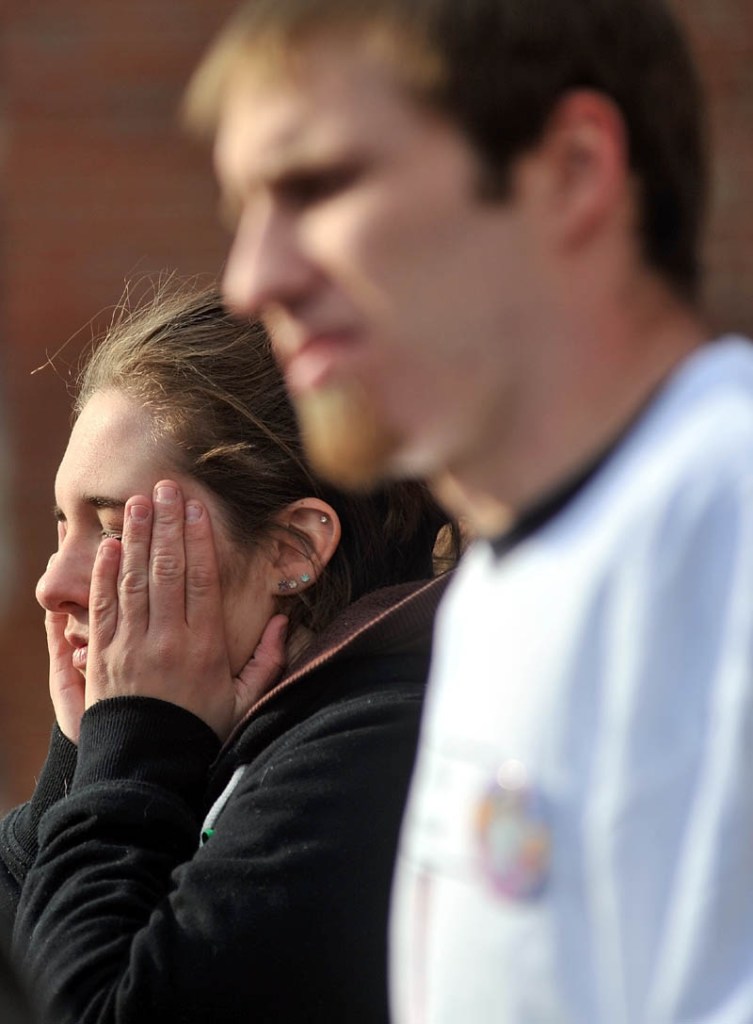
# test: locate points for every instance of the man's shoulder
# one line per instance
(693, 446)
(689, 453)
(710, 395)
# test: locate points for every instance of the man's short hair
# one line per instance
(498, 68)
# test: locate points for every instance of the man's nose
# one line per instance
(64, 585)
(266, 266)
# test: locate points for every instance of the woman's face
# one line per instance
(112, 455)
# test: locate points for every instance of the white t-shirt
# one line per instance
(578, 843)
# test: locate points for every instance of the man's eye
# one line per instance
(115, 534)
(311, 187)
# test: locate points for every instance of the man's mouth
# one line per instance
(313, 364)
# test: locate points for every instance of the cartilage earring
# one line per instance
(323, 518)
(287, 584)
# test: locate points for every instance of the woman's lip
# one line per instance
(78, 658)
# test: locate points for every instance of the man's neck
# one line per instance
(600, 384)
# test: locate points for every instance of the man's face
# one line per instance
(392, 292)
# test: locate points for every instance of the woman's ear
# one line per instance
(308, 537)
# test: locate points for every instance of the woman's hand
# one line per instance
(156, 625)
(66, 682)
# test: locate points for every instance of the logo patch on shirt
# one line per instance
(513, 834)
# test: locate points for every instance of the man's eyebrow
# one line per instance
(95, 501)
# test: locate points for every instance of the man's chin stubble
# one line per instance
(345, 441)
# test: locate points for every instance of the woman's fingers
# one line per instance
(262, 671)
(156, 627)
(103, 617)
(167, 560)
(203, 590)
(103, 593)
(57, 646)
(66, 684)
(133, 583)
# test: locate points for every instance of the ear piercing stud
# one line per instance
(289, 583)
(323, 518)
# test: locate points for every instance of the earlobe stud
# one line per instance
(289, 583)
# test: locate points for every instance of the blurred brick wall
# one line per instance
(721, 32)
(96, 185)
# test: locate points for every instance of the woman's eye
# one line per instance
(115, 534)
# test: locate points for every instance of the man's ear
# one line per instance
(584, 164)
(308, 535)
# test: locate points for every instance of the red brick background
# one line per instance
(97, 185)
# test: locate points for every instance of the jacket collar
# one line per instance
(391, 618)
(382, 620)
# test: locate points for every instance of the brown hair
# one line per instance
(498, 67)
(219, 402)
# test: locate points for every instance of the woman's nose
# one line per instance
(64, 585)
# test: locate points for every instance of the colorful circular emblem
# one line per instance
(513, 834)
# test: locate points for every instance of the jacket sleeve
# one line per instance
(281, 915)
(18, 829)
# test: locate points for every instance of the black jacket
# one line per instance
(280, 915)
